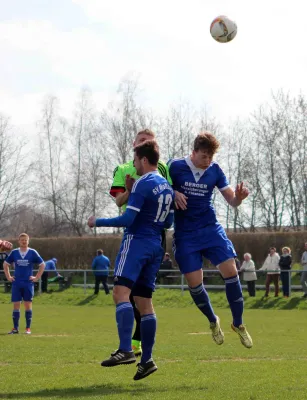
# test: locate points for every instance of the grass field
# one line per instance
(73, 332)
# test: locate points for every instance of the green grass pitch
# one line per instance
(72, 332)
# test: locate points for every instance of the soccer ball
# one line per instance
(223, 29)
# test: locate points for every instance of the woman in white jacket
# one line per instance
(249, 274)
(271, 265)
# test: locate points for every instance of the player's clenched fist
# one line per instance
(129, 182)
(5, 246)
(91, 221)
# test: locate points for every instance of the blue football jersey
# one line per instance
(198, 185)
(153, 198)
(24, 263)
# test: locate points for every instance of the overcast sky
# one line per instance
(58, 46)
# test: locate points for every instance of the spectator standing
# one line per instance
(285, 262)
(271, 265)
(249, 274)
(50, 265)
(166, 265)
(304, 273)
(100, 267)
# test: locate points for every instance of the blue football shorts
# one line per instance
(22, 290)
(210, 242)
(139, 260)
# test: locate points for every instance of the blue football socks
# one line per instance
(148, 334)
(201, 299)
(28, 315)
(16, 316)
(125, 320)
(235, 299)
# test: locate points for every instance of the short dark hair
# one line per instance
(150, 150)
(99, 252)
(273, 248)
(206, 141)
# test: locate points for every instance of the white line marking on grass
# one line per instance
(63, 335)
(237, 359)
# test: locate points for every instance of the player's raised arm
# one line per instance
(118, 188)
(122, 198)
(124, 220)
(235, 198)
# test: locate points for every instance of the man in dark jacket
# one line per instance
(100, 267)
(166, 265)
(285, 267)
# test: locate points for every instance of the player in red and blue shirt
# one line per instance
(24, 260)
(149, 211)
(198, 234)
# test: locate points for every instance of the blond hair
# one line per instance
(24, 235)
(287, 249)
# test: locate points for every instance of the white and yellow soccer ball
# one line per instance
(223, 29)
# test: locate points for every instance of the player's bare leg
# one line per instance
(16, 317)
(235, 299)
(202, 301)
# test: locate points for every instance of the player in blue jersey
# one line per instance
(24, 260)
(149, 211)
(123, 179)
(198, 233)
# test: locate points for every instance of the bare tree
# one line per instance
(74, 198)
(179, 130)
(268, 131)
(97, 168)
(14, 168)
(124, 118)
(280, 132)
(51, 162)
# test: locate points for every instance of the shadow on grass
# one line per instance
(265, 303)
(87, 300)
(107, 389)
(277, 303)
(293, 303)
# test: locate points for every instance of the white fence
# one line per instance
(83, 277)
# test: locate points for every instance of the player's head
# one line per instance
(205, 146)
(54, 260)
(99, 252)
(23, 240)
(146, 157)
(166, 256)
(142, 136)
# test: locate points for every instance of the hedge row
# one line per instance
(78, 252)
